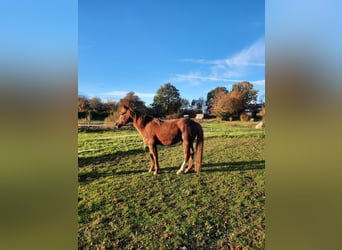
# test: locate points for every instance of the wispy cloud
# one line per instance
(240, 65)
(124, 93)
(192, 76)
(259, 82)
(199, 61)
(195, 80)
(254, 55)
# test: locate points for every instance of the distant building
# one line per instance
(254, 109)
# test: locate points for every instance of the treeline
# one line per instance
(220, 102)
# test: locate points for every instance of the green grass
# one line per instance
(122, 206)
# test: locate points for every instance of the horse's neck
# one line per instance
(139, 122)
(142, 120)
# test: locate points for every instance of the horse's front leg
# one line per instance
(152, 163)
(154, 159)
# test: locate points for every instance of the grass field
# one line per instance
(122, 206)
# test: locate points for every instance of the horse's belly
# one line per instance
(169, 140)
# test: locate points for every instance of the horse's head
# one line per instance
(125, 117)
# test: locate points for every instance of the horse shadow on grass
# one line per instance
(206, 167)
(94, 175)
(84, 161)
(96, 162)
(224, 166)
(233, 166)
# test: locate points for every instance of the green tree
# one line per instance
(167, 100)
(211, 95)
(249, 94)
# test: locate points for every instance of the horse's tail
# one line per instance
(199, 148)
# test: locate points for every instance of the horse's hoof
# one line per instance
(179, 171)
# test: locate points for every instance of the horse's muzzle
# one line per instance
(118, 125)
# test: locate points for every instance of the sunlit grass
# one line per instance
(121, 205)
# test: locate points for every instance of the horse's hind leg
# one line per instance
(181, 170)
(191, 161)
(186, 147)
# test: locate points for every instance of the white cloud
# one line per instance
(251, 56)
(192, 76)
(199, 61)
(145, 95)
(259, 82)
(240, 65)
(116, 93)
(254, 55)
(195, 79)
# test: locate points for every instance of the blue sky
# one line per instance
(128, 45)
(38, 36)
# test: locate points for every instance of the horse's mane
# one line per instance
(147, 118)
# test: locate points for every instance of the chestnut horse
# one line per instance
(157, 132)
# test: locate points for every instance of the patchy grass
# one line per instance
(122, 206)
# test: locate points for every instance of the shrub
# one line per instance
(111, 119)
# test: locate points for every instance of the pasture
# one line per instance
(122, 206)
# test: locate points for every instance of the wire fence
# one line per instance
(114, 142)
